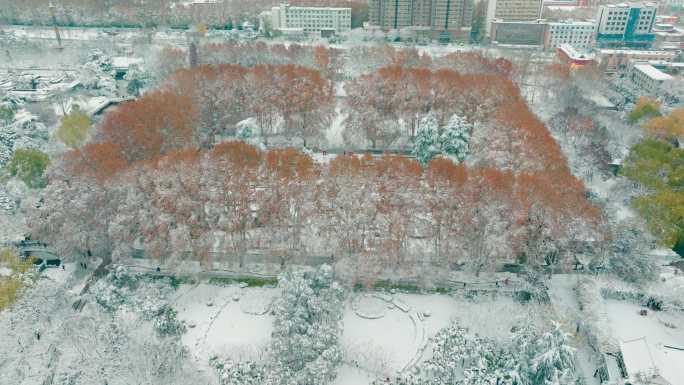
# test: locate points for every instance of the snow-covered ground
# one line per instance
(661, 329)
(233, 322)
(220, 325)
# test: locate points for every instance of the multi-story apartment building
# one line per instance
(390, 14)
(516, 10)
(578, 34)
(452, 16)
(512, 10)
(311, 19)
(421, 13)
(626, 25)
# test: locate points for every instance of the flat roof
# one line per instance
(635, 4)
(576, 54)
(652, 72)
(636, 52)
(572, 22)
(637, 357)
(288, 6)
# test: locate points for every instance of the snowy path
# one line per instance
(564, 301)
(334, 133)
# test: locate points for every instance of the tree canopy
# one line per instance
(659, 168)
(29, 165)
(74, 128)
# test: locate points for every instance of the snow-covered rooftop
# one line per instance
(125, 61)
(652, 72)
(637, 357)
(609, 51)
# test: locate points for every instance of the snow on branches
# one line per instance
(307, 325)
(305, 348)
(450, 140)
(462, 358)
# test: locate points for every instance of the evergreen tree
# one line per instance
(454, 138)
(450, 140)
(425, 146)
(307, 328)
(555, 360)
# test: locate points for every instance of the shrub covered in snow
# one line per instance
(239, 373)
(166, 322)
(462, 358)
(120, 289)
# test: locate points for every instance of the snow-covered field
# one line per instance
(383, 334)
(225, 321)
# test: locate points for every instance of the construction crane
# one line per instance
(54, 25)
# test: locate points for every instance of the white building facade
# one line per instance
(578, 34)
(311, 19)
(626, 24)
(511, 10)
(648, 79)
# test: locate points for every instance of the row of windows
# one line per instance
(579, 38)
(624, 13)
(561, 36)
(316, 15)
(318, 11)
(572, 28)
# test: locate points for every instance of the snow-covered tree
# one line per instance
(450, 140)
(454, 138)
(307, 328)
(98, 73)
(555, 360)
(426, 143)
(137, 79)
(462, 358)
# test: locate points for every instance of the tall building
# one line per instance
(452, 16)
(578, 34)
(311, 19)
(626, 25)
(421, 14)
(390, 14)
(512, 10)
(517, 10)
